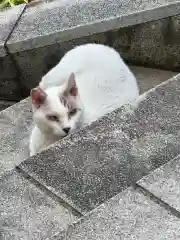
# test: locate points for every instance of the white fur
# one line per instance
(104, 83)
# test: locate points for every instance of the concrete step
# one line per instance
(99, 161)
(80, 172)
(56, 187)
(27, 212)
(132, 214)
(164, 183)
(148, 78)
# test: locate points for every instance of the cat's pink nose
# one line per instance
(66, 130)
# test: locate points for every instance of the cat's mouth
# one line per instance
(62, 134)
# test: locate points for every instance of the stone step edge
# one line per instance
(37, 184)
(150, 13)
(62, 235)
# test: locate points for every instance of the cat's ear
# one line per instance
(38, 96)
(71, 87)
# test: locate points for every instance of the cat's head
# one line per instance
(57, 110)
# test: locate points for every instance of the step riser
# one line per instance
(153, 44)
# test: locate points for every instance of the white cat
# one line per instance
(90, 81)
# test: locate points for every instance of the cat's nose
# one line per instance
(66, 130)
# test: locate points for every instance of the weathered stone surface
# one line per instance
(8, 18)
(129, 215)
(28, 213)
(9, 87)
(148, 78)
(9, 79)
(83, 170)
(153, 44)
(15, 125)
(35, 63)
(2, 50)
(164, 183)
(6, 104)
(64, 20)
(97, 162)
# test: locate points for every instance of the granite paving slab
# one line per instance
(15, 126)
(164, 183)
(28, 213)
(97, 162)
(8, 18)
(129, 215)
(64, 20)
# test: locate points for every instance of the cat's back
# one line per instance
(92, 59)
(89, 56)
(104, 81)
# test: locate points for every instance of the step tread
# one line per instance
(27, 212)
(164, 183)
(128, 215)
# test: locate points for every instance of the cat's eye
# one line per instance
(72, 112)
(53, 118)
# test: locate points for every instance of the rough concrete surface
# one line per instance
(164, 183)
(129, 215)
(92, 165)
(88, 168)
(148, 78)
(9, 87)
(15, 127)
(6, 104)
(8, 18)
(28, 213)
(154, 44)
(64, 20)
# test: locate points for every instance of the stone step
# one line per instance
(27, 212)
(84, 170)
(99, 161)
(61, 21)
(34, 37)
(16, 121)
(148, 78)
(128, 215)
(164, 183)
(88, 167)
